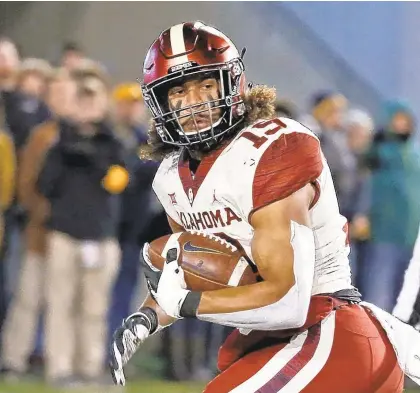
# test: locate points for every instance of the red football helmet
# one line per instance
(193, 50)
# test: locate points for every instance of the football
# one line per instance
(209, 262)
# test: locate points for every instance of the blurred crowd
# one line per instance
(76, 206)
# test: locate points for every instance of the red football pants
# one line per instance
(346, 352)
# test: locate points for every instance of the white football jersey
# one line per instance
(265, 162)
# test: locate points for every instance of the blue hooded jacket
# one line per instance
(394, 161)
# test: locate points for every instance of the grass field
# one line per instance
(146, 386)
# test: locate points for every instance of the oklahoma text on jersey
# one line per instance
(212, 219)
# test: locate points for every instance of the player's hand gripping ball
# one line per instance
(208, 261)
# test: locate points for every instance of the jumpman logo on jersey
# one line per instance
(215, 200)
(173, 199)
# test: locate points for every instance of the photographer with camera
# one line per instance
(82, 174)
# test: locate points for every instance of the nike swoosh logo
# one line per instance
(191, 248)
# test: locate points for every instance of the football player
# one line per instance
(230, 166)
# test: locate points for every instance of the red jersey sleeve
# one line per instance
(289, 163)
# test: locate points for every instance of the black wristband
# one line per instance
(152, 318)
(190, 305)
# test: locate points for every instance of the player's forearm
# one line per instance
(243, 298)
(276, 268)
(163, 319)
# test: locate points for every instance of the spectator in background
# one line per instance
(359, 128)
(9, 64)
(130, 115)
(142, 222)
(33, 78)
(394, 214)
(7, 189)
(22, 112)
(71, 56)
(142, 217)
(61, 94)
(81, 172)
(7, 175)
(328, 110)
(20, 326)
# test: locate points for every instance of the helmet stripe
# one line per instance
(178, 43)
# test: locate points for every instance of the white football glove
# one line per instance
(127, 339)
(171, 290)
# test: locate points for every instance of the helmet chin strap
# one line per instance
(198, 150)
(215, 124)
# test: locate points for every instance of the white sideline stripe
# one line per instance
(272, 367)
(281, 358)
(169, 243)
(318, 361)
(238, 272)
(177, 43)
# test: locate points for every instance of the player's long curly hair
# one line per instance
(259, 102)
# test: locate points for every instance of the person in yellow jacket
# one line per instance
(7, 177)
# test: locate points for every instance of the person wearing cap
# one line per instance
(141, 217)
(359, 127)
(328, 110)
(33, 77)
(129, 114)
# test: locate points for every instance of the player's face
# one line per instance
(92, 106)
(359, 138)
(401, 123)
(71, 59)
(33, 84)
(61, 96)
(195, 92)
(129, 112)
(9, 59)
